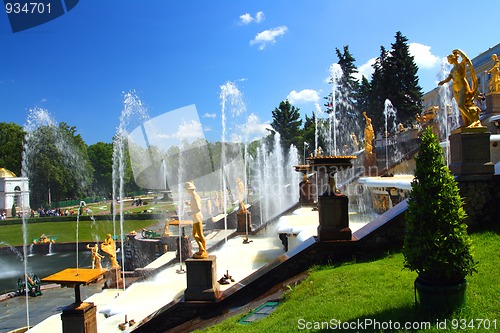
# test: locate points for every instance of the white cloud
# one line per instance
(423, 55)
(209, 115)
(253, 128)
(268, 36)
(365, 70)
(247, 18)
(305, 95)
(187, 130)
(259, 17)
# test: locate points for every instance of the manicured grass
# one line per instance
(66, 231)
(380, 291)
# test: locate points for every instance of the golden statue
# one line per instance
(462, 92)
(495, 75)
(109, 247)
(240, 190)
(197, 218)
(369, 134)
(96, 256)
(355, 142)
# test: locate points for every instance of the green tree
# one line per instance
(57, 163)
(405, 92)
(309, 135)
(437, 245)
(287, 122)
(395, 78)
(348, 92)
(379, 91)
(101, 159)
(11, 141)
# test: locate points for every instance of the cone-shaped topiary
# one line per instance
(437, 245)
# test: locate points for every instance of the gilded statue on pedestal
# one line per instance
(463, 93)
(96, 256)
(495, 75)
(109, 247)
(197, 218)
(369, 134)
(240, 189)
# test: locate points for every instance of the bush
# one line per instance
(437, 245)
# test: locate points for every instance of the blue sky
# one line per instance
(178, 53)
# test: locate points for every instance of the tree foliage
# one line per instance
(287, 122)
(395, 78)
(56, 162)
(101, 159)
(11, 141)
(436, 243)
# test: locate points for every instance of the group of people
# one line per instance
(55, 212)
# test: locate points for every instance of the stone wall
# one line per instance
(482, 200)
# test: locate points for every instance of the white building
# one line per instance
(13, 191)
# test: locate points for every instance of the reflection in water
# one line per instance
(39, 264)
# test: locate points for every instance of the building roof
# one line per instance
(4, 173)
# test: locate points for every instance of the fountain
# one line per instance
(332, 205)
(389, 113)
(335, 76)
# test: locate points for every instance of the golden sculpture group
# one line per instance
(464, 93)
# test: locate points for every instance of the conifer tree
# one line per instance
(287, 122)
(405, 93)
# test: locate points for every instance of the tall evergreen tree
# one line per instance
(405, 93)
(379, 91)
(287, 122)
(346, 89)
(348, 92)
(308, 134)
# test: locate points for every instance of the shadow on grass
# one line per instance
(402, 319)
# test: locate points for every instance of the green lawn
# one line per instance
(380, 292)
(66, 231)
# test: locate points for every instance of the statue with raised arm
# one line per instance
(464, 93)
(495, 75)
(109, 247)
(197, 218)
(369, 134)
(96, 256)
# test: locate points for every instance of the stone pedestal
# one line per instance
(492, 109)
(244, 221)
(370, 164)
(334, 218)
(306, 192)
(202, 282)
(493, 103)
(79, 319)
(113, 278)
(470, 153)
(185, 248)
